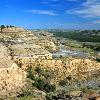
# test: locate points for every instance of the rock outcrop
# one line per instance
(79, 69)
(49, 45)
(12, 78)
(71, 64)
(29, 51)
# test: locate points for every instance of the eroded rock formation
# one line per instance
(12, 78)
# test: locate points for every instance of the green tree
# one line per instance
(2, 27)
(11, 26)
(7, 26)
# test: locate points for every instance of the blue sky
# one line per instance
(63, 14)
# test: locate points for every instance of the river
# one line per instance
(66, 53)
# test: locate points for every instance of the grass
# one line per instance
(25, 98)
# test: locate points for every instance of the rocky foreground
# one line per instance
(28, 71)
(11, 76)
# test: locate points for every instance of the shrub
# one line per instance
(42, 85)
(69, 77)
(98, 59)
(49, 96)
(30, 74)
(62, 82)
(2, 27)
(38, 70)
(25, 94)
(39, 82)
(50, 88)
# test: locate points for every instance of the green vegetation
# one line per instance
(26, 98)
(41, 78)
(25, 95)
(2, 27)
(85, 41)
(62, 82)
(40, 82)
(42, 85)
(78, 46)
(87, 90)
(79, 36)
(98, 59)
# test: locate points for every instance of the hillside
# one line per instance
(78, 35)
(29, 71)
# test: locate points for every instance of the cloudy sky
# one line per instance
(63, 14)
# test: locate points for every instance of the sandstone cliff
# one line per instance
(12, 78)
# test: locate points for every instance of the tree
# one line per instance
(2, 27)
(7, 26)
(11, 26)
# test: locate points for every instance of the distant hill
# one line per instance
(81, 36)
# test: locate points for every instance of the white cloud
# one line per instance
(42, 12)
(91, 2)
(90, 8)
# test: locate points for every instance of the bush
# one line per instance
(62, 82)
(50, 88)
(42, 85)
(69, 78)
(49, 96)
(98, 59)
(30, 74)
(39, 82)
(25, 94)
(38, 70)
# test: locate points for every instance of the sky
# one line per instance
(51, 14)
